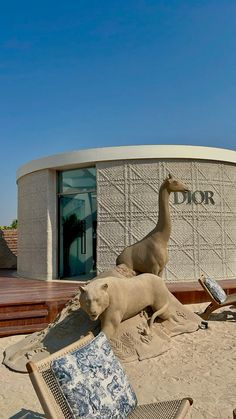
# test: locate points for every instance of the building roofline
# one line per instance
(88, 157)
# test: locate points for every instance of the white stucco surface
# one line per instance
(37, 234)
(91, 156)
(203, 238)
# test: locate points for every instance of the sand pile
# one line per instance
(200, 364)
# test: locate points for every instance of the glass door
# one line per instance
(77, 228)
(78, 235)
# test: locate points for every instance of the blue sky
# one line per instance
(79, 74)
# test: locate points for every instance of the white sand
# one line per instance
(200, 364)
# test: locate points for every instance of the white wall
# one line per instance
(203, 237)
(37, 225)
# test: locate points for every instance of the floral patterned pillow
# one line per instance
(215, 290)
(94, 382)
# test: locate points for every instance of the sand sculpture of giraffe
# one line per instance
(150, 255)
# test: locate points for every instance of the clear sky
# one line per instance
(90, 73)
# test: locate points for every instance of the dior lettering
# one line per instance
(196, 197)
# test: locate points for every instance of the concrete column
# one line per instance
(37, 225)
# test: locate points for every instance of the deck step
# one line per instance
(22, 329)
(15, 315)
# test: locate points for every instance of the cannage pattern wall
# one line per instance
(203, 238)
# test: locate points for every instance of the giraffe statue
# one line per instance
(150, 255)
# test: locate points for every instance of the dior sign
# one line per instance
(197, 197)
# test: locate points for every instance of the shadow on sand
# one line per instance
(27, 414)
(225, 315)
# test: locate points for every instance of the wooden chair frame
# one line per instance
(55, 405)
(215, 305)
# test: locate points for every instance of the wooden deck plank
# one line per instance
(14, 315)
(28, 305)
(19, 290)
(19, 330)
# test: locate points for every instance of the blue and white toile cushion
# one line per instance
(215, 290)
(94, 382)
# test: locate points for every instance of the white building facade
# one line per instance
(78, 210)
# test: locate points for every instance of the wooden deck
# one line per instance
(28, 305)
(192, 292)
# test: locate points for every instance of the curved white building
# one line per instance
(78, 210)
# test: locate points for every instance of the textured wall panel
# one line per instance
(203, 237)
(37, 225)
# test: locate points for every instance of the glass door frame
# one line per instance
(74, 192)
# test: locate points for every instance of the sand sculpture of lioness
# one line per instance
(113, 300)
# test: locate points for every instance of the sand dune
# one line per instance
(200, 364)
